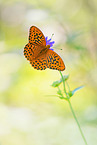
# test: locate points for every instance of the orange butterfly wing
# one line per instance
(37, 42)
(32, 51)
(36, 37)
(28, 51)
(54, 61)
(50, 59)
(40, 63)
(40, 58)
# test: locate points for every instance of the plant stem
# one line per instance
(77, 122)
(63, 84)
(68, 99)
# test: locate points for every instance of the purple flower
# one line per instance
(48, 42)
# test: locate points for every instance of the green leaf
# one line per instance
(57, 83)
(77, 89)
(71, 93)
(59, 92)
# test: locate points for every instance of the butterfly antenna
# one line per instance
(52, 36)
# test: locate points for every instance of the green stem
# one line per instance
(63, 84)
(77, 122)
(68, 99)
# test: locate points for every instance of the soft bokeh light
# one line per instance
(30, 114)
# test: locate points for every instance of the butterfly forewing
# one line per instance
(54, 61)
(32, 51)
(36, 36)
(28, 51)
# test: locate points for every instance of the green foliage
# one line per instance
(57, 83)
(69, 93)
(67, 97)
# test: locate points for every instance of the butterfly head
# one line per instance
(47, 47)
(49, 43)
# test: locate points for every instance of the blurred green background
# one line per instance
(29, 115)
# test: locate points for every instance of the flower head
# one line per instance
(48, 42)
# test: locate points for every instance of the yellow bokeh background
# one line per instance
(30, 114)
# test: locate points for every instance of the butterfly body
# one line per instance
(39, 54)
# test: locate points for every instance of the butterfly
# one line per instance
(39, 53)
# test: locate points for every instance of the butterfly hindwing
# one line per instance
(36, 36)
(49, 59)
(54, 61)
(40, 63)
